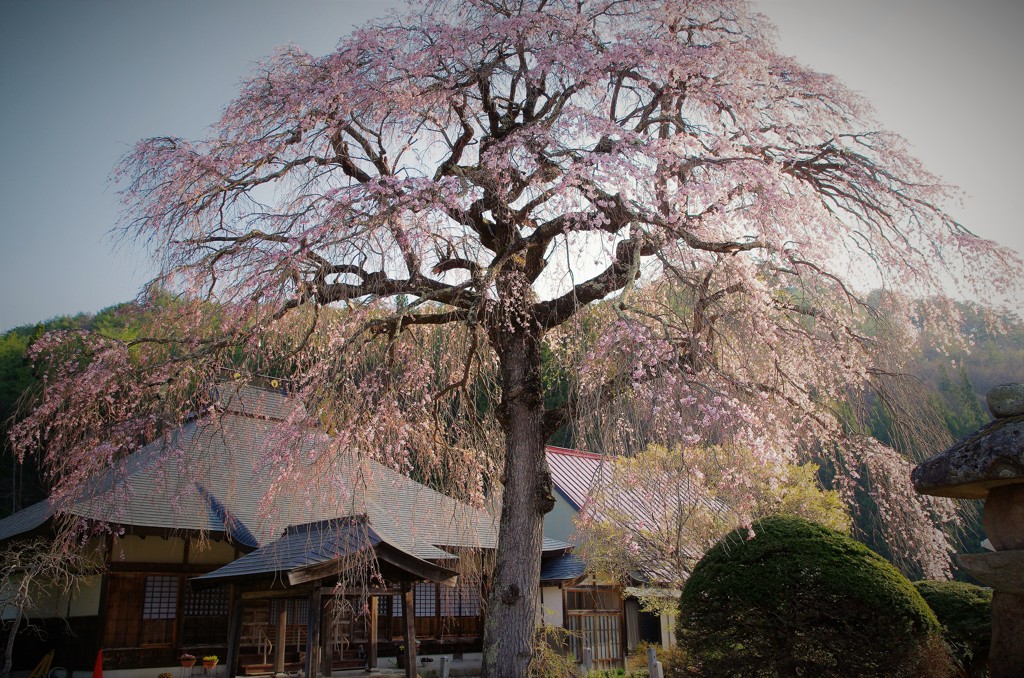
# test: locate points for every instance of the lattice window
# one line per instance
(450, 601)
(206, 603)
(425, 600)
(592, 599)
(298, 611)
(461, 601)
(396, 606)
(161, 598)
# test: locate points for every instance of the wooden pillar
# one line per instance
(438, 624)
(183, 587)
(409, 617)
(282, 628)
(105, 616)
(235, 632)
(327, 631)
(313, 615)
(371, 651)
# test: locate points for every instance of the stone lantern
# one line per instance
(989, 465)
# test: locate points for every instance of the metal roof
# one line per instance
(230, 524)
(213, 474)
(242, 398)
(578, 475)
(574, 472)
(553, 545)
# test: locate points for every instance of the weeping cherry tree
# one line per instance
(645, 191)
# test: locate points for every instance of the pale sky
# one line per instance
(80, 81)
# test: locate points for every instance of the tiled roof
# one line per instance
(211, 474)
(302, 545)
(26, 520)
(562, 568)
(554, 545)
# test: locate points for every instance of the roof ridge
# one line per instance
(351, 519)
(553, 449)
(256, 401)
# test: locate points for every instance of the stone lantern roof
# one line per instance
(991, 457)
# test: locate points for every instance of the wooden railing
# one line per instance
(601, 632)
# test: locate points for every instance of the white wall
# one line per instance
(136, 549)
(49, 603)
(551, 612)
(86, 601)
(129, 549)
(154, 549)
(210, 553)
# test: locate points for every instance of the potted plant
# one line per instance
(400, 659)
(210, 661)
(187, 660)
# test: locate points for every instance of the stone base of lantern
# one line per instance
(1000, 570)
(1004, 572)
(1006, 657)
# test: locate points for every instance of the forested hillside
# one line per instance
(957, 384)
(996, 357)
(22, 484)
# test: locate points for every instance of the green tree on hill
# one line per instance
(21, 484)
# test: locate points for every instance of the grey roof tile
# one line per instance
(300, 546)
(26, 520)
(213, 474)
(552, 545)
(562, 568)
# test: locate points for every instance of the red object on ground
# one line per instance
(97, 670)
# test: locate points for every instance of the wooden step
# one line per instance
(268, 669)
(348, 664)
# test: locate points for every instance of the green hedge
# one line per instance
(965, 612)
(800, 599)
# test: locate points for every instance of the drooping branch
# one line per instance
(452, 156)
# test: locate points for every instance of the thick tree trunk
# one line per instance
(513, 603)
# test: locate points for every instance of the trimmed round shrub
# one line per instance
(799, 599)
(965, 613)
